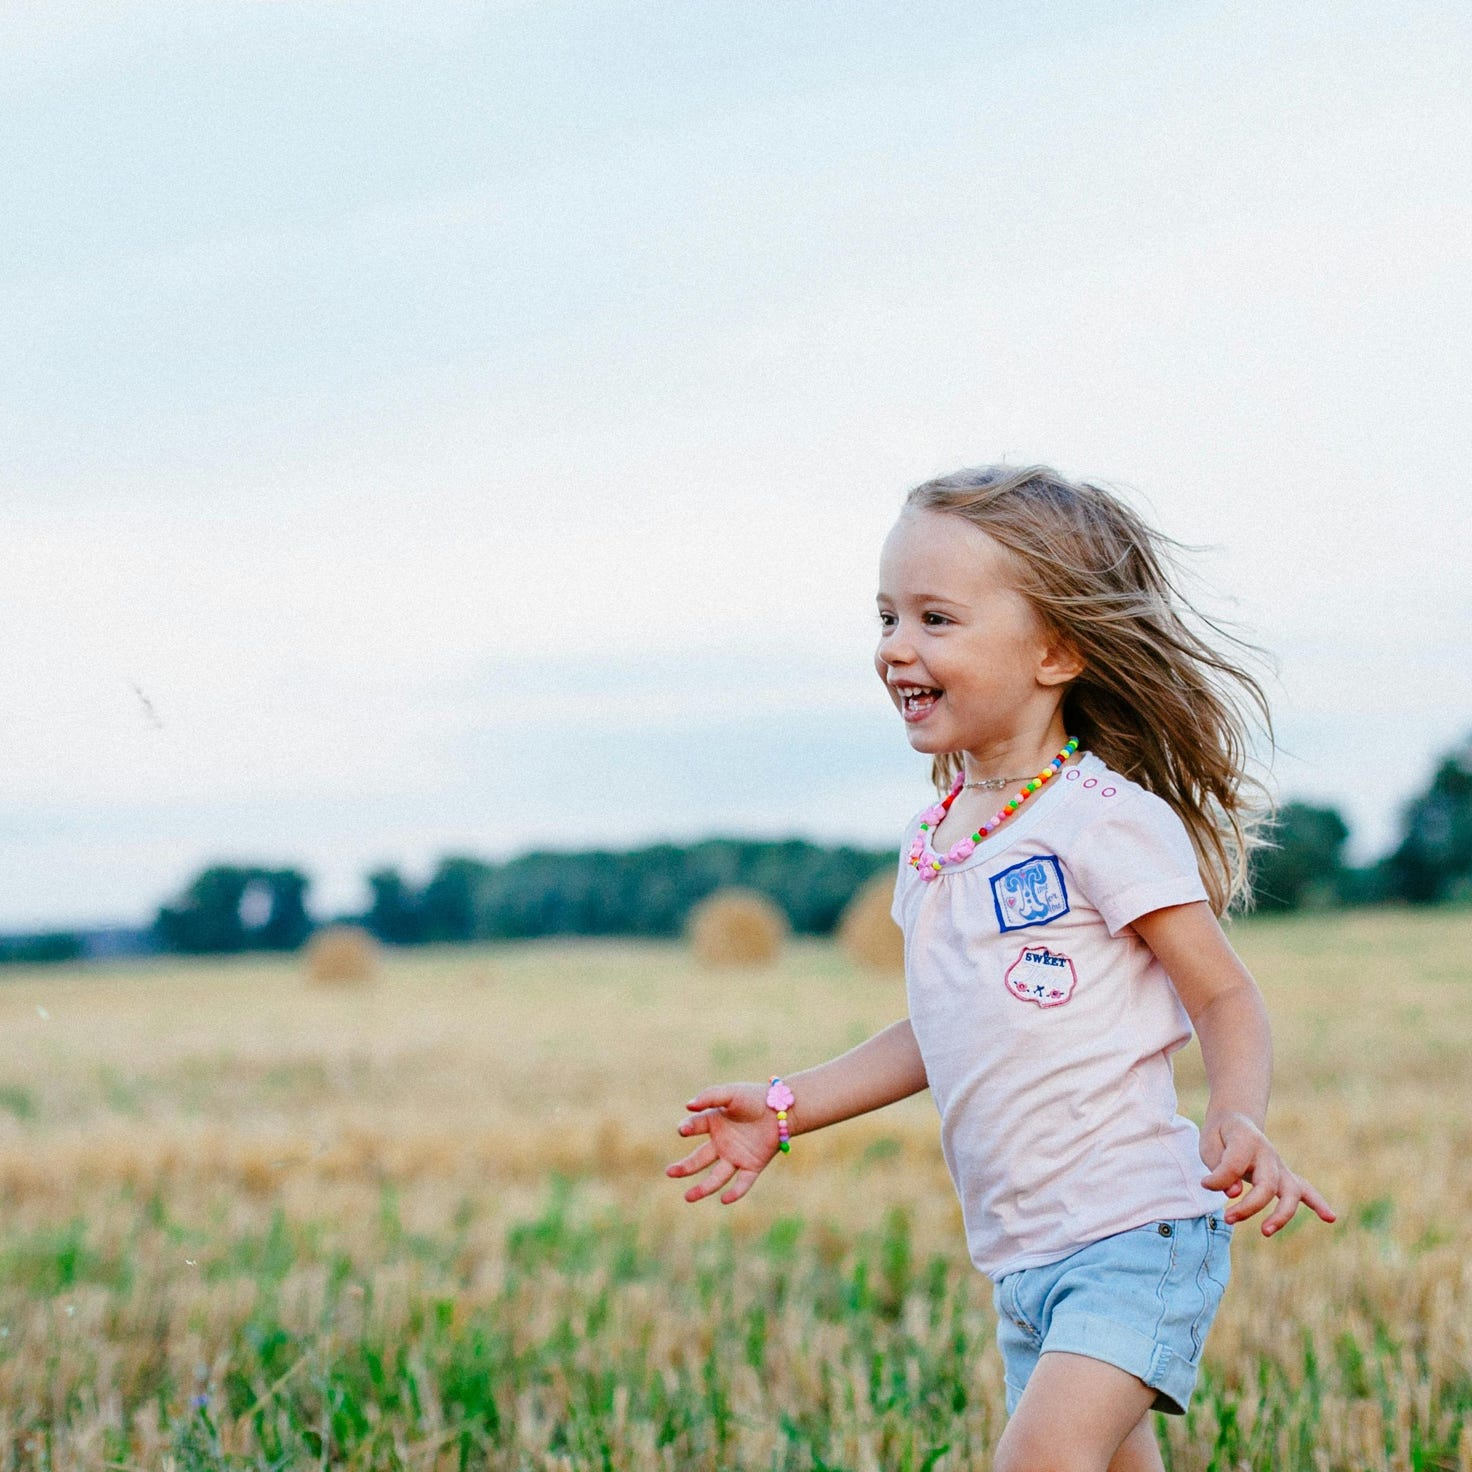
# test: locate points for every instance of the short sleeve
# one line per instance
(1134, 858)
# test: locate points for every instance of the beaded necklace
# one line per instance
(924, 859)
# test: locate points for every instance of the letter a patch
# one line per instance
(1042, 976)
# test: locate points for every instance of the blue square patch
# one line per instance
(1030, 893)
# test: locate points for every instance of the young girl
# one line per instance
(1060, 906)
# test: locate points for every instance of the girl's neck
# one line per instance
(1021, 756)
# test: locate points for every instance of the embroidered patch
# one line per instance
(1030, 893)
(1042, 976)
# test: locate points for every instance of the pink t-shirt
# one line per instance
(1046, 1024)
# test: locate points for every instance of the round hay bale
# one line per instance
(339, 954)
(867, 934)
(736, 927)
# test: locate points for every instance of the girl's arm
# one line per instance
(743, 1131)
(1227, 1011)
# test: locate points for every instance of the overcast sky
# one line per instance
(467, 428)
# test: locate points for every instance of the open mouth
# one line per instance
(917, 701)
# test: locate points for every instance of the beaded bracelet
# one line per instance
(779, 1097)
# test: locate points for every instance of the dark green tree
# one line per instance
(650, 891)
(206, 917)
(450, 901)
(1435, 854)
(395, 915)
(287, 923)
(36, 950)
(1305, 860)
(228, 908)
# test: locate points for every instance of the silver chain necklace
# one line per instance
(994, 784)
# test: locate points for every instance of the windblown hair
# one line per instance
(1157, 700)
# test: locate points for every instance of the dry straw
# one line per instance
(736, 927)
(867, 933)
(339, 954)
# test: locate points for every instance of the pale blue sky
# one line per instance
(474, 426)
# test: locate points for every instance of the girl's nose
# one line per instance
(895, 649)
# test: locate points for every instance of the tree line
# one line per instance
(645, 892)
(650, 891)
(1431, 863)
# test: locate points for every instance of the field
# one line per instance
(250, 1223)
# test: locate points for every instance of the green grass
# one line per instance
(568, 1361)
(554, 1342)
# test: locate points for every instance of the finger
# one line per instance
(1313, 1198)
(1262, 1192)
(720, 1173)
(715, 1097)
(744, 1181)
(1289, 1195)
(700, 1157)
(1236, 1161)
(698, 1124)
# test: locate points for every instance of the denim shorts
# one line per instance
(1142, 1300)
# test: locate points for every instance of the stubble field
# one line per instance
(250, 1223)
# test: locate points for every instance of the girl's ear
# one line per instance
(1061, 661)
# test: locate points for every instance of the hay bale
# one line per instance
(736, 927)
(339, 954)
(867, 934)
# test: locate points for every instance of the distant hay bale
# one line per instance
(339, 954)
(866, 932)
(736, 927)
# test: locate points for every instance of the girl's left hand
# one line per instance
(1239, 1153)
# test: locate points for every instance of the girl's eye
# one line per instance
(887, 620)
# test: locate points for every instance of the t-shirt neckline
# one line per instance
(1039, 804)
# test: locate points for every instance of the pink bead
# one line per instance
(927, 873)
(961, 851)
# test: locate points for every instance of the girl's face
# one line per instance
(966, 661)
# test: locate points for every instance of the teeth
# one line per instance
(909, 691)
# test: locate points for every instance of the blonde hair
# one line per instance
(1157, 699)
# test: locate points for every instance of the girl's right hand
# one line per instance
(742, 1139)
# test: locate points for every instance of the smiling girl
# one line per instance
(1060, 907)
